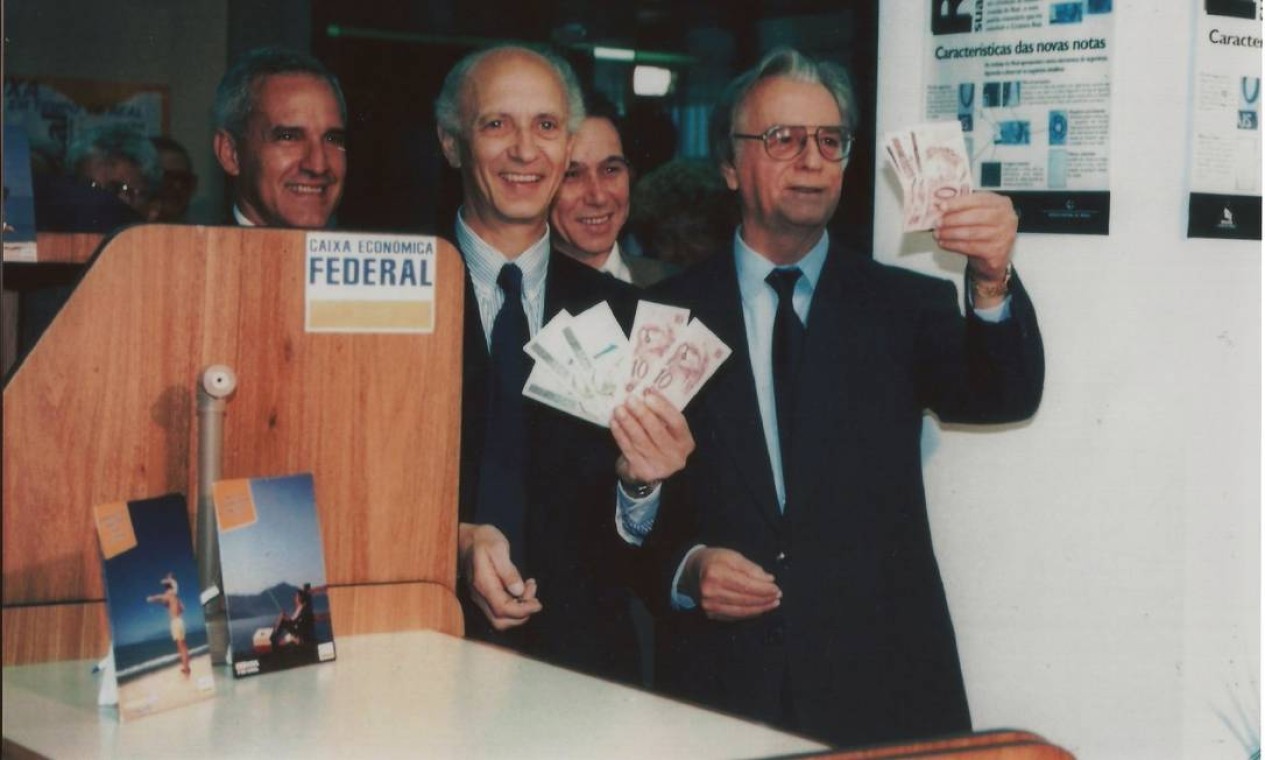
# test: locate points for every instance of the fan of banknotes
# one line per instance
(932, 164)
(586, 366)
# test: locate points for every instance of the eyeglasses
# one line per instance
(785, 143)
(121, 190)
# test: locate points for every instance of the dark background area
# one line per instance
(392, 57)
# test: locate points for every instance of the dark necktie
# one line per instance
(502, 499)
(788, 346)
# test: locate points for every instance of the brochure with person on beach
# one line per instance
(159, 652)
(272, 564)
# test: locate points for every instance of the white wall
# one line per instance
(1103, 560)
(181, 44)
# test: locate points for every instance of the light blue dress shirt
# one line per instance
(484, 264)
(759, 305)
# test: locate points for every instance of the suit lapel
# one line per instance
(476, 364)
(731, 397)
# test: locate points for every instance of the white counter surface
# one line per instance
(414, 694)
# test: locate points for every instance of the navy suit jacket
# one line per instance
(861, 649)
(572, 547)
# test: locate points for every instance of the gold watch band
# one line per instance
(992, 290)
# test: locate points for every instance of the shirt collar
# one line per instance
(242, 221)
(485, 262)
(753, 267)
(615, 266)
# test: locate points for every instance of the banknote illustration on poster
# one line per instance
(1030, 83)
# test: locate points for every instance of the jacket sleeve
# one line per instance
(980, 372)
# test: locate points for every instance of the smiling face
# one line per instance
(785, 204)
(591, 206)
(288, 165)
(512, 149)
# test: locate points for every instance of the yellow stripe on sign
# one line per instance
(371, 315)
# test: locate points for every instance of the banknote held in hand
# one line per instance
(586, 366)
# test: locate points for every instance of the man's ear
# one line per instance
(226, 152)
(730, 174)
(448, 143)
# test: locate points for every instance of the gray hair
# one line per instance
(235, 95)
(117, 142)
(779, 62)
(448, 104)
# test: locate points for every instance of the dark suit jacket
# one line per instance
(646, 271)
(572, 547)
(861, 648)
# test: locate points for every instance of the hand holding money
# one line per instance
(933, 167)
(981, 226)
(586, 366)
(653, 437)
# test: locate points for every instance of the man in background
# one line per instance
(591, 206)
(548, 503)
(281, 135)
(179, 183)
(117, 159)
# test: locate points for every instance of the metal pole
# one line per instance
(215, 385)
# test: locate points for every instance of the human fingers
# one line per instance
(729, 613)
(671, 421)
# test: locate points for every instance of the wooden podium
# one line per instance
(104, 409)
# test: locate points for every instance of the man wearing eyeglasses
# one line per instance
(794, 554)
(118, 159)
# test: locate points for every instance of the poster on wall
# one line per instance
(1030, 82)
(1225, 142)
(53, 111)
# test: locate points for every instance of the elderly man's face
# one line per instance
(592, 204)
(290, 163)
(513, 146)
(119, 177)
(792, 199)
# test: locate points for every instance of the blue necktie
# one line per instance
(788, 346)
(502, 498)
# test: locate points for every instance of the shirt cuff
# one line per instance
(994, 314)
(681, 601)
(634, 518)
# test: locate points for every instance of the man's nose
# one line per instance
(524, 147)
(595, 194)
(810, 157)
(316, 157)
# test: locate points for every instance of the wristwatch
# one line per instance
(639, 490)
(992, 290)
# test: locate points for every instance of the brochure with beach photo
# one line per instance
(272, 563)
(158, 636)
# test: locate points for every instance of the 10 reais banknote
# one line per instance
(586, 366)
